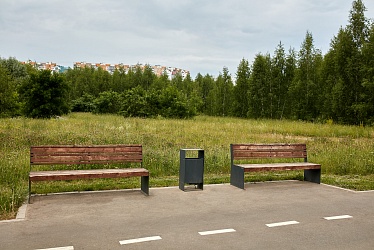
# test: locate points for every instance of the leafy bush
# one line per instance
(9, 104)
(45, 95)
(108, 102)
(84, 103)
(135, 103)
(174, 104)
(168, 103)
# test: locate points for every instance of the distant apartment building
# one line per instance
(158, 70)
(54, 67)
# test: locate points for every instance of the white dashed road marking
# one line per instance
(285, 223)
(338, 217)
(221, 231)
(138, 240)
(58, 248)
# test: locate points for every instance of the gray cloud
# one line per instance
(201, 36)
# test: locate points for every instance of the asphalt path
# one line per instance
(271, 215)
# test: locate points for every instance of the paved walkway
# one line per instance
(271, 215)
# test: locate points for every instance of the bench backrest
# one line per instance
(259, 151)
(53, 155)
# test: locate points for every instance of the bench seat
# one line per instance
(312, 171)
(72, 155)
(62, 175)
(278, 166)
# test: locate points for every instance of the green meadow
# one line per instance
(345, 152)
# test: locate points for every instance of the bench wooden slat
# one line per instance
(279, 166)
(82, 159)
(277, 146)
(87, 174)
(253, 151)
(48, 155)
(90, 148)
(272, 154)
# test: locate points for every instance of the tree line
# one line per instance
(302, 85)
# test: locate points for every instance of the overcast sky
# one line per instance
(197, 35)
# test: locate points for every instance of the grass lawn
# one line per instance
(346, 153)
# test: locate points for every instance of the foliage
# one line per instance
(304, 90)
(135, 103)
(45, 95)
(241, 90)
(174, 105)
(9, 105)
(260, 92)
(85, 103)
(168, 103)
(223, 94)
(12, 74)
(108, 102)
(205, 85)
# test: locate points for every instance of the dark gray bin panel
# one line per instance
(191, 169)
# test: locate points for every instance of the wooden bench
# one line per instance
(76, 155)
(312, 171)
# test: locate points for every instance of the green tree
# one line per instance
(81, 81)
(341, 94)
(224, 93)
(148, 77)
(280, 82)
(289, 75)
(368, 77)
(358, 24)
(9, 104)
(177, 81)
(137, 76)
(85, 103)
(135, 103)
(45, 95)
(192, 93)
(101, 81)
(306, 86)
(174, 104)
(259, 89)
(329, 77)
(358, 28)
(12, 74)
(120, 80)
(349, 91)
(108, 102)
(206, 84)
(16, 69)
(161, 82)
(241, 88)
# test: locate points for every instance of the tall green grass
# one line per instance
(343, 151)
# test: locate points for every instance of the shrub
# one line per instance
(84, 103)
(135, 103)
(45, 95)
(108, 102)
(9, 104)
(168, 103)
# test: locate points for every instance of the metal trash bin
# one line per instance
(191, 169)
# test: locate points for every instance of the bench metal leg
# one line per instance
(312, 175)
(145, 184)
(29, 191)
(237, 176)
